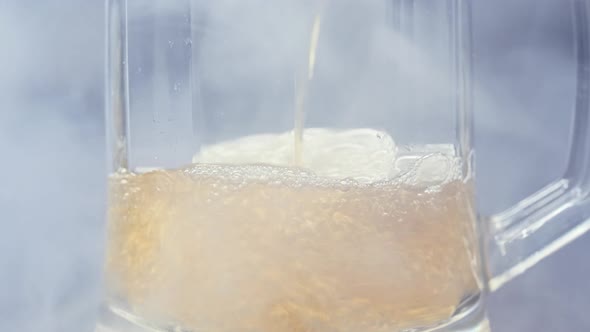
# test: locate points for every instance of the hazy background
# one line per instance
(52, 170)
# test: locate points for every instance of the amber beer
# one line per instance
(352, 240)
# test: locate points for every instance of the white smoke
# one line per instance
(51, 197)
(51, 140)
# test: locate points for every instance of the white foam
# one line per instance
(429, 164)
(362, 154)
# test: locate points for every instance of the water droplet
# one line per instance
(171, 43)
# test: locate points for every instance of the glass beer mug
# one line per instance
(307, 165)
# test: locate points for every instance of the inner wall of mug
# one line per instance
(206, 73)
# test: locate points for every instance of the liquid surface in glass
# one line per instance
(362, 236)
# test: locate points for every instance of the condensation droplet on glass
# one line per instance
(171, 43)
(188, 42)
(177, 86)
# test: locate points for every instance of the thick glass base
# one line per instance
(471, 319)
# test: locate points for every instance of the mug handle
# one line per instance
(541, 224)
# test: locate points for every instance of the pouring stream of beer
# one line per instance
(302, 89)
